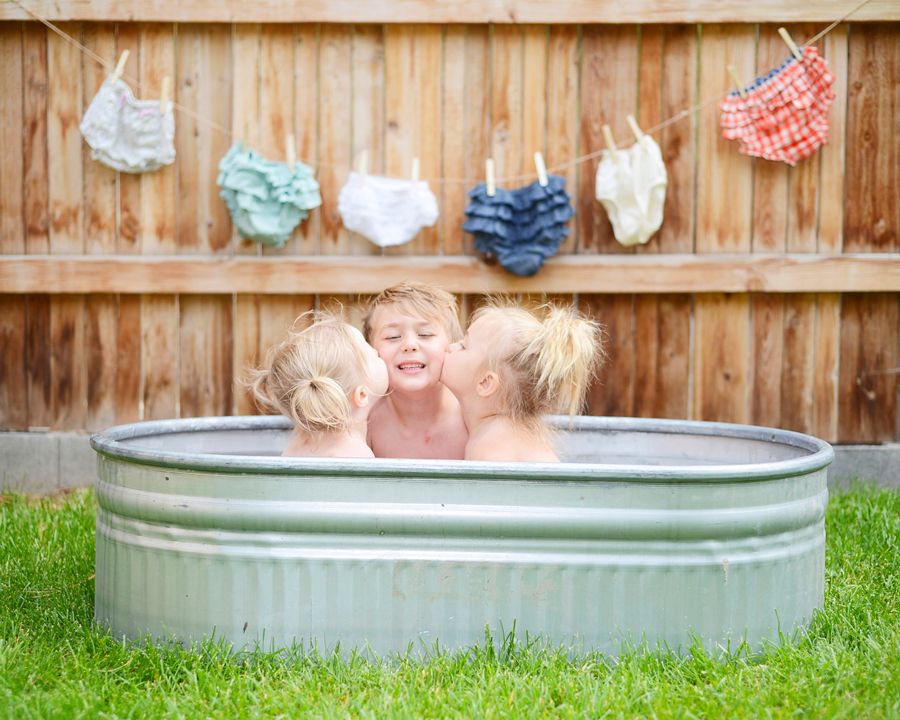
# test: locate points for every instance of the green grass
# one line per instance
(53, 664)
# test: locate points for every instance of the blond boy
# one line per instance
(411, 325)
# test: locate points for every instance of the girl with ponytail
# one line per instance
(512, 368)
(326, 379)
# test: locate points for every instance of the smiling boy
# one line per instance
(411, 325)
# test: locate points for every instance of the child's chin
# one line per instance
(411, 383)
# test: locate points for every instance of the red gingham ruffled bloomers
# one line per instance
(784, 115)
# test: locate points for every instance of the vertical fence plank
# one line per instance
(674, 362)
(613, 392)
(478, 120)
(724, 177)
(245, 113)
(306, 113)
(562, 114)
(803, 179)
(205, 355)
(534, 95)
(831, 211)
(37, 361)
(100, 311)
(101, 350)
(368, 109)
(724, 220)
(99, 179)
(767, 326)
(677, 140)
(130, 228)
(609, 84)
(12, 215)
(245, 348)
(827, 353)
(797, 389)
(37, 210)
(871, 210)
(721, 358)
(276, 101)
(335, 102)
(663, 323)
(64, 142)
(870, 326)
(158, 201)
(203, 60)
(68, 363)
(428, 51)
(13, 385)
(159, 356)
(506, 104)
(129, 371)
(770, 230)
(451, 192)
(770, 179)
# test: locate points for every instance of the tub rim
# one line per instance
(110, 443)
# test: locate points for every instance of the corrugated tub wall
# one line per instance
(655, 530)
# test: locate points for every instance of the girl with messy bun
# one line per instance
(326, 379)
(512, 368)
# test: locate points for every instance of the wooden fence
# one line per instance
(770, 294)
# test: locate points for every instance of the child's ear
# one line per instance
(488, 384)
(360, 396)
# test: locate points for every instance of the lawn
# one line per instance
(53, 664)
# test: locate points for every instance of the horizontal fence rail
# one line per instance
(453, 11)
(609, 274)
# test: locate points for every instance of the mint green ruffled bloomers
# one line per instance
(267, 199)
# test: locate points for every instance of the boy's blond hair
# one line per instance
(545, 365)
(311, 373)
(426, 301)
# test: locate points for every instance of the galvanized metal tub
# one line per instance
(664, 531)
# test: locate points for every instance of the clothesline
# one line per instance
(507, 180)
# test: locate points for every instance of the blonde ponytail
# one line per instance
(310, 375)
(545, 366)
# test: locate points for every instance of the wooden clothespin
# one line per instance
(489, 177)
(789, 41)
(164, 94)
(362, 164)
(635, 128)
(120, 66)
(737, 81)
(291, 150)
(610, 143)
(245, 138)
(414, 174)
(541, 169)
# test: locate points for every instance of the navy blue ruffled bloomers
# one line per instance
(520, 228)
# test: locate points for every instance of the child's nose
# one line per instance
(410, 342)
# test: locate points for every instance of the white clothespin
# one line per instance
(737, 81)
(610, 143)
(362, 164)
(635, 128)
(789, 41)
(291, 150)
(414, 174)
(120, 66)
(541, 169)
(164, 94)
(489, 177)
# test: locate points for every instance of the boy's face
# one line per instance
(412, 347)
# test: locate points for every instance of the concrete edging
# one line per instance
(40, 463)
